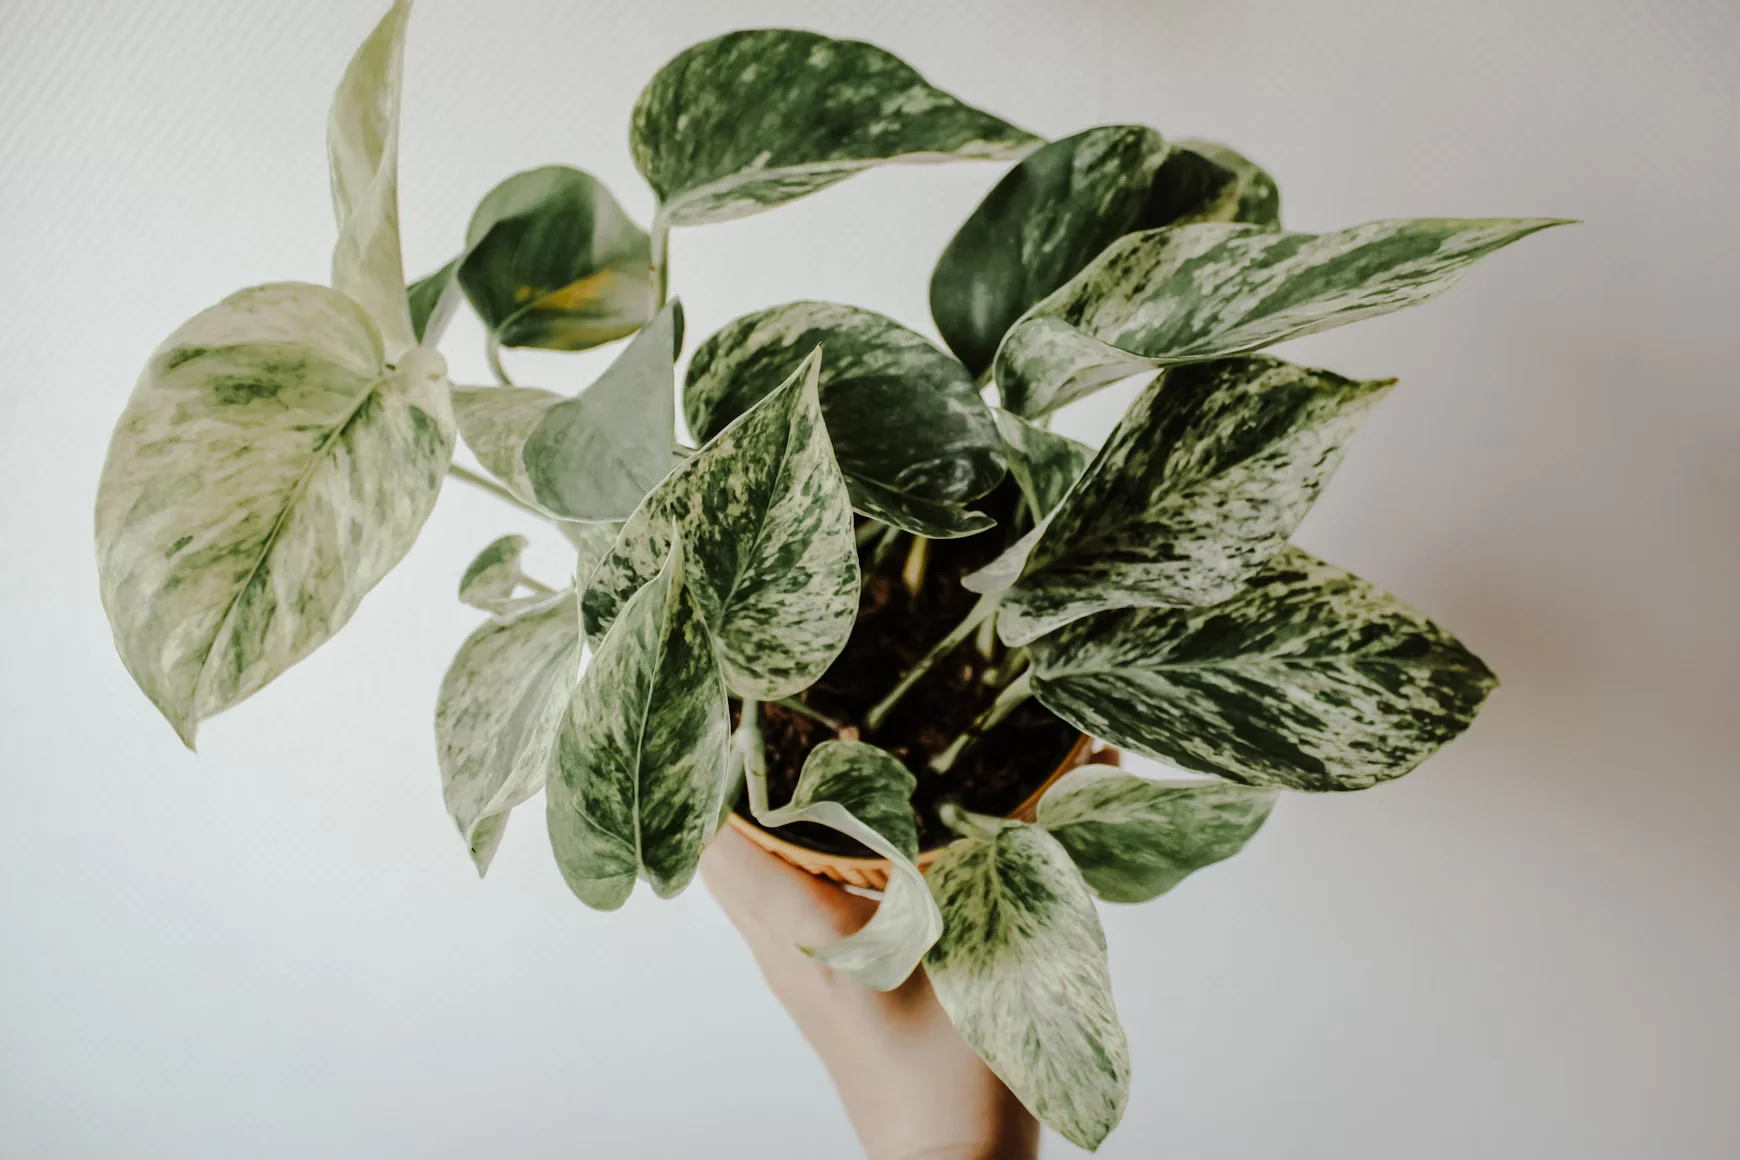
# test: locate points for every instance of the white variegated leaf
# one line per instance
(641, 758)
(866, 794)
(1203, 479)
(500, 707)
(763, 510)
(1021, 970)
(1191, 293)
(1135, 839)
(490, 580)
(909, 429)
(753, 119)
(495, 423)
(1308, 679)
(362, 147)
(1045, 465)
(269, 468)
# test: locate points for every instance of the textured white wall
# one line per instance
(1526, 949)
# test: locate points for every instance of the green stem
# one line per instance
(885, 549)
(568, 528)
(661, 262)
(492, 352)
(870, 531)
(877, 715)
(917, 562)
(968, 824)
(748, 747)
(538, 586)
(803, 710)
(1007, 701)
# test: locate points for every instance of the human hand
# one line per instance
(912, 1088)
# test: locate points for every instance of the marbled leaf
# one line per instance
(553, 261)
(1190, 293)
(1135, 839)
(1046, 219)
(1021, 970)
(909, 429)
(1203, 479)
(362, 149)
(501, 705)
(267, 471)
(866, 794)
(1309, 679)
(1203, 181)
(753, 119)
(1045, 465)
(641, 756)
(772, 561)
(594, 457)
(495, 423)
(434, 300)
(490, 580)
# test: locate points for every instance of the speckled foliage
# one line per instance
(282, 450)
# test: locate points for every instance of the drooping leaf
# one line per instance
(865, 793)
(362, 149)
(1045, 465)
(909, 429)
(1021, 970)
(1309, 679)
(1045, 220)
(501, 705)
(753, 119)
(434, 300)
(1197, 292)
(1204, 181)
(594, 457)
(553, 261)
(490, 580)
(1203, 479)
(1135, 839)
(641, 756)
(267, 471)
(772, 561)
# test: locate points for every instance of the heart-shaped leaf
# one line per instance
(1309, 679)
(553, 261)
(641, 757)
(1204, 181)
(362, 149)
(1045, 220)
(1203, 479)
(909, 429)
(753, 119)
(434, 300)
(268, 470)
(1021, 970)
(1197, 292)
(501, 705)
(593, 457)
(866, 794)
(490, 580)
(772, 560)
(1135, 839)
(1045, 466)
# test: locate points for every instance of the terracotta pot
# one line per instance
(872, 873)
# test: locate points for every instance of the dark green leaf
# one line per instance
(1045, 466)
(433, 302)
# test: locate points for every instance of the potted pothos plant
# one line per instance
(872, 612)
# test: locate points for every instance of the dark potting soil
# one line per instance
(895, 628)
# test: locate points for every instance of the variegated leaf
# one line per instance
(491, 579)
(592, 542)
(1309, 679)
(362, 148)
(866, 794)
(1203, 479)
(753, 119)
(594, 457)
(1046, 219)
(1021, 970)
(553, 261)
(1135, 839)
(501, 705)
(1204, 181)
(909, 429)
(1045, 465)
(268, 470)
(434, 300)
(772, 561)
(641, 756)
(495, 423)
(1197, 292)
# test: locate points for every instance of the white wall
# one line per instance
(1528, 948)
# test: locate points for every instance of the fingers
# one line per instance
(767, 897)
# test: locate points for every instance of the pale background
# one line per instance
(1528, 948)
